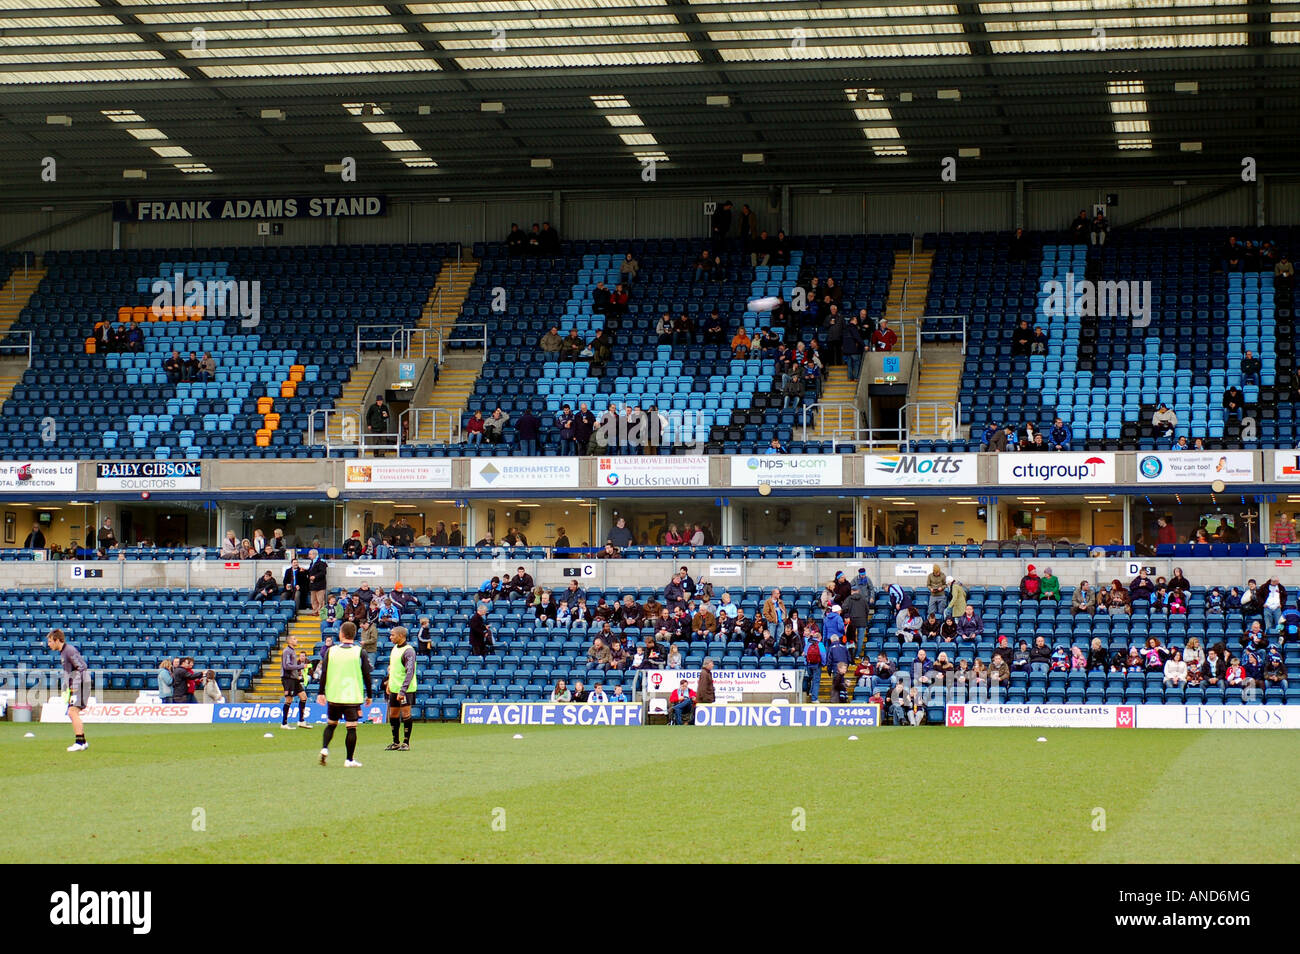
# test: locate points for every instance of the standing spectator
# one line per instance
(884, 339)
(527, 427)
(704, 692)
(296, 586)
(316, 579)
(165, 680)
(937, 584)
(106, 538)
(619, 535)
(720, 227)
(35, 540)
(480, 632)
(377, 419)
(548, 242)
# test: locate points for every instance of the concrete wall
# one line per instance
(623, 574)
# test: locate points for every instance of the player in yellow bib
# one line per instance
(401, 688)
(345, 687)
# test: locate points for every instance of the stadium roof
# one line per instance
(429, 97)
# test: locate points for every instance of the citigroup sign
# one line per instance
(1059, 469)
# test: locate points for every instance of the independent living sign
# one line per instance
(251, 208)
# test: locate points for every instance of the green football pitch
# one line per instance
(473, 793)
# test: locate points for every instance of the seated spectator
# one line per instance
(908, 624)
(599, 655)
(1078, 662)
(353, 547)
(674, 660)
(572, 346)
(1164, 421)
(1031, 585)
(664, 329)
(1040, 655)
(1251, 367)
(266, 588)
(969, 625)
(629, 269)
(495, 425)
(1060, 660)
(1020, 659)
(931, 627)
(618, 301)
(1097, 658)
(474, 429)
(1098, 229)
(682, 704)
(561, 692)
(1084, 600)
(516, 241)
(1049, 587)
(740, 345)
(1233, 402)
(948, 629)
(1275, 670)
(1060, 436)
(1021, 338)
(703, 267)
(175, 368)
(550, 342)
(1080, 228)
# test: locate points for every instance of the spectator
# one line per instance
(548, 242)
(494, 427)
(266, 588)
(1283, 274)
(619, 535)
(1274, 602)
(1050, 587)
(317, 573)
(1175, 671)
(937, 584)
(921, 668)
(969, 625)
(884, 339)
(207, 368)
(629, 269)
(1020, 248)
(1060, 436)
(1031, 585)
(741, 345)
(907, 624)
(704, 692)
(480, 632)
(1251, 367)
(184, 681)
(1233, 402)
(377, 417)
(682, 704)
(720, 227)
(1084, 601)
(1164, 420)
(572, 346)
(474, 429)
(703, 269)
(775, 612)
(165, 680)
(714, 333)
(780, 249)
(600, 299)
(1080, 228)
(550, 342)
(527, 428)
(106, 538)
(1098, 229)
(296, 586)
(1021, 339)
(561, 692)
(1020, 658)
(1040, 656)
(516, 241)
(175, 368)
(1275, 670)
(674, 660)
(1097, 659)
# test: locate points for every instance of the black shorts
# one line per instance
(291, 686)
(343, 711)
(394, 704)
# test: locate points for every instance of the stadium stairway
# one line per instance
(838, 389)
(16, 293)
(447, 297)
(909, 287)
(353, 398)
(267, 688)
(456, 382)
(940, 383)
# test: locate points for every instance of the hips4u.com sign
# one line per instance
(787, 470)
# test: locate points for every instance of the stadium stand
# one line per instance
(730, 406)
(298, 354)
(1104, 375)
(134, 629)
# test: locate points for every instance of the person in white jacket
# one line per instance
(1175, 670)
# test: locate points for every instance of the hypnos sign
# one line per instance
(273, 207)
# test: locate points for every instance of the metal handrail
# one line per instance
(847, 426)
(945, 416)
(348, 436)
(935, 334)
(480, 339)
(20, 347)
(446, 417)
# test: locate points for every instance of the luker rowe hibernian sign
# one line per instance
(250, 208)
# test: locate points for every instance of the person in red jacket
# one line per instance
(884, 338)
(682, 703)
(1165, 532)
